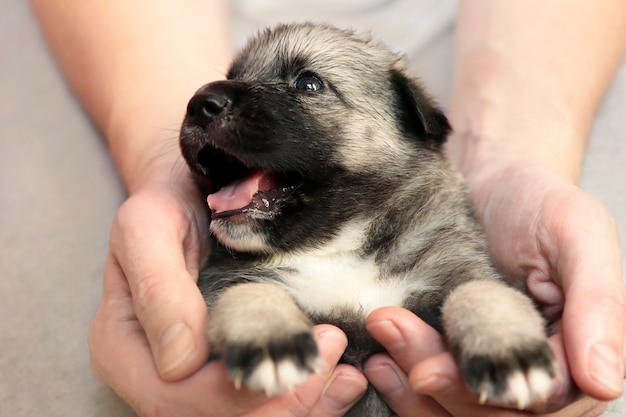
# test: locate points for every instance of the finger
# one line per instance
(391, 383)
(406, 337)
(594, 317)
(121, 358)
(147, 241)
(330, 392)
(343, 389)
(407, 340)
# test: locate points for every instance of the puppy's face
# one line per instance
(312, 128)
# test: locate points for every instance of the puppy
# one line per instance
(329, 197)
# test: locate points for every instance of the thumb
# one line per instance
(147, 242)
(594, 316)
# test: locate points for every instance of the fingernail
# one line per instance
(606, 368)
(436, 378)
(326, 335)
(388, 382)
(175, 345)
(342, 392)
(395, 341)
(430, 384)
(329, 337)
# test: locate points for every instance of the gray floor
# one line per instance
(58, 195)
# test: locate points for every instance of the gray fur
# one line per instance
(367, 213)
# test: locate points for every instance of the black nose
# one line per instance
(204, 107)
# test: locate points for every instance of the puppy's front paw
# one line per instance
(265, 339)
(500, 343)
(273, 367)
(516, 378)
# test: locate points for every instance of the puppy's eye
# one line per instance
(308, 83)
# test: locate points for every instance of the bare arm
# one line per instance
(531, 69)
(135, 64)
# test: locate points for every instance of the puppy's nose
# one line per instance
(204, 107)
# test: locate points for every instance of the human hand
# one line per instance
(147, 340)
(547, 235)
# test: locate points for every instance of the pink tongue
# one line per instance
(238, 194)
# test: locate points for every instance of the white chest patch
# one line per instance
(323, 284)
(335, 277)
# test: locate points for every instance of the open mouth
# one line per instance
(242, 189)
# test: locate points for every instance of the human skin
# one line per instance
(135, 64)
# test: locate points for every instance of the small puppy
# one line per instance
(330, 197)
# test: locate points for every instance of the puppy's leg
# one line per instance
(499, 340)
(264, 338)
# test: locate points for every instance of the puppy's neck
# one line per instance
(348, 241)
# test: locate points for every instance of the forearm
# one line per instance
(134, 65)
(529, 76)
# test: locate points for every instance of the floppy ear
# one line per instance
(417, 114)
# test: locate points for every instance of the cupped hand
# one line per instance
(562, 245)
(559, 243)
(147, 340)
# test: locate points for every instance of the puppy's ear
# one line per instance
(417, 115)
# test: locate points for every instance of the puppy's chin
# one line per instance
(240, 233)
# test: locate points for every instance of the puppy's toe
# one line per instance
(275, 368)
(521, 377)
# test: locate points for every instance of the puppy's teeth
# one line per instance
(482, 399)
(237, 383)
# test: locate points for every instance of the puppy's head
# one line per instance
(313, 127)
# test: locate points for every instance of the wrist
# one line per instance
(143, 141)
(143, 133)
(503, 175)
(150, 159)
(480, 156)
(165, 169)
(504, 113)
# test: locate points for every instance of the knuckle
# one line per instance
(613, 304)
(300, 406)
(151, 294)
